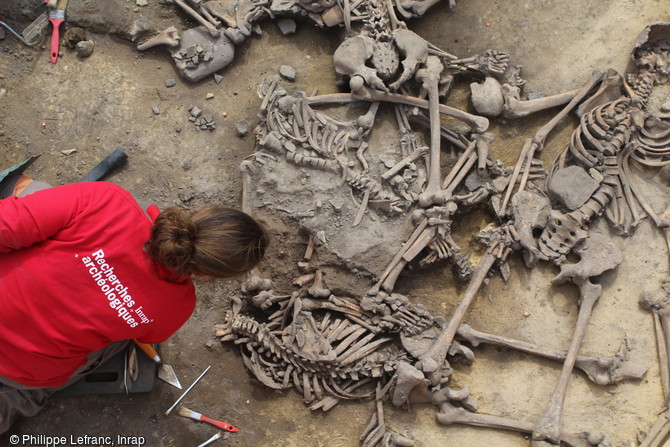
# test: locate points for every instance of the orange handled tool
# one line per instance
(165, 372)
(56, 17)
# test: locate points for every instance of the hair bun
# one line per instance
(173, 238)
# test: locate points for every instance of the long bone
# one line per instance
(213, 31)
(432, 360)
(398, 259)
(537, 142)
(430, 79)
(411, 158)
(478, 124)
(597, 255)
(450, 414)
(658, 432)
(600, 370)
(516, 108)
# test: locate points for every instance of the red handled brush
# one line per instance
(56, 17)
(185, 412)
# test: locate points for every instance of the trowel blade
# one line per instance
(166, 373)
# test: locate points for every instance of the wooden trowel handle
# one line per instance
(149, 351)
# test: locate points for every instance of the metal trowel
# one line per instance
(165, 372)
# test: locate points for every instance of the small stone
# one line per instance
(139, 28)
(68, 151)
(336, 204)
(287, 72)
(2, 133)
(170, 83)
(85, 48)
(242, 127)
(286, 26)
(141, 2)
(218, 78)
(472, 182)
(154, 109)
(195, 111)
(192, 119)
(209, 96)
(177, 129)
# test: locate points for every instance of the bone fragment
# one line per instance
(363, 207)
(169, 37)
(411, 158)
(309, 251)
(600, 370)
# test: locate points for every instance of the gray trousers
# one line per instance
(17, 400)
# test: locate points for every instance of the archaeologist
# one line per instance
(84, 269)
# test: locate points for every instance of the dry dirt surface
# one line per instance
(105, 101)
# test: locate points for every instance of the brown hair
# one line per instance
(213, 241)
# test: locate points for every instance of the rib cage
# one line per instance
(608, 135)
(325, 348)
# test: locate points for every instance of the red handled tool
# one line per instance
(56, 17)
(185, 412)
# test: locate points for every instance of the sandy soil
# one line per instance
(97, 104)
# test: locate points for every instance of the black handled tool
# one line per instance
(102, 169)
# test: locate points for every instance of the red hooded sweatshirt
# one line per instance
(74, 278)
